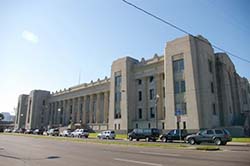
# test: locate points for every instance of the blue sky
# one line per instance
(46, 44)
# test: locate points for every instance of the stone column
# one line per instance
(145, 98)
(159, 92)
(64, 113)
(106, 107)
(84, 99)
(91, 108)
(98, 109)
(78, 109)
(73, 110)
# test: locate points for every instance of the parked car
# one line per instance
(7, 130)
(28, 131)
(53, 132)
(38, 131)
(217, 136)
(14, 131)
(80, 133)
(106, 135)
(147, 134)
(21, 130)
(174, 135)
(65, 133)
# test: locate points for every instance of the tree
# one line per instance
(1, 116)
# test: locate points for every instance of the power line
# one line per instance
(182, 30)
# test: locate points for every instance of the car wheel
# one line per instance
(147, 139)
(130, 139)
(217, 141)
(137, 139)
(164, 139)
(191, 141)
(223, 143)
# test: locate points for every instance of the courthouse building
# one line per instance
(188, 87)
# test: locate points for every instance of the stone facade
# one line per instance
(189, 87)
(21, 111)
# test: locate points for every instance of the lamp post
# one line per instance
(59, 112)
(156, 113)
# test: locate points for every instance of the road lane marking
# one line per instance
(137, 162)
(161, 154)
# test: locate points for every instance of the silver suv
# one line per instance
(216, 136)
(80, 133)
(106, 135)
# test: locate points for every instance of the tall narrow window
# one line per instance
(152, 113)
(183, 86)
(163, 92)
(151, 78)
(214, 109)
(212, 87)
(118, 80)
(210, 66)
(140, 113)
(178, 65)
(176, 87)
(139, 81)
(151, 94)
(140, 95)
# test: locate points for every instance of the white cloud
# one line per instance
(29, 36)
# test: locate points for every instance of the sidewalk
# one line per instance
(239, 143)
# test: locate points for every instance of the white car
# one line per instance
(65, 133)
(80, 133)
(106, 135)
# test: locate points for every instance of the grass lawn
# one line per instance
(243, 139)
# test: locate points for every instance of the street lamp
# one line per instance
(156, 113)
(59, 112)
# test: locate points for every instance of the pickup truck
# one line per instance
(174, 135)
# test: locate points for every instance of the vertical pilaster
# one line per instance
(83, 118)
(64, 113)
(106, 107)
(159, 92)
(98, 109)
(145, 98)
(91, 108)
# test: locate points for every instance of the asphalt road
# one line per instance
(28, 151)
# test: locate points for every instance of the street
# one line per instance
(28, 151)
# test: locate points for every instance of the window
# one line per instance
(209, 132)
(178, 65)
(163, 92)
(149, 125)
(115, 126)
(151, 94)
(179, 87)
(117, 94)
(136, 125)
(139, 81)
(218, 132)
(151, 78)
(43, 102)
(183, 86)
(140, 95)
(184, 125)
(140, 113)
(212, 87)
(164, 112)
(163, 76)
(119, 126)
(163, 125)
(214, 109)
(184, 108)
(152, 113)
(176, 87)
(210, 66)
